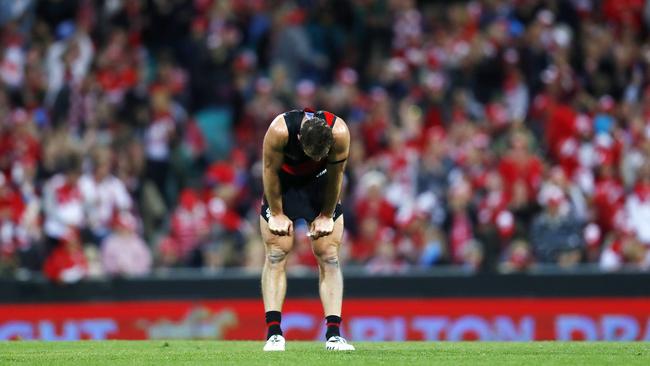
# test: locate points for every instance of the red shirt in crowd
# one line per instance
(11, 204)
(609, 197)
(189, 224)
(20, 146)
(63, 259)
(373, 132)
(117, 80)
(624, 12)
(560, 125)
(460, 235)
(491, 205)
(380, 209)
(529, 171)
(362, 249)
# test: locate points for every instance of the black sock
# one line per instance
(273, 319)
(333, 325)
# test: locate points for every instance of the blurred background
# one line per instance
(488, 137)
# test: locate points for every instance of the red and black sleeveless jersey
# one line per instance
(295, 160)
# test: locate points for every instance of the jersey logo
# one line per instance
(309, 113)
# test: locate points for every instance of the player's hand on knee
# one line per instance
(321, 226)
(280, 225)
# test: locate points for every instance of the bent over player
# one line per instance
(304, 155)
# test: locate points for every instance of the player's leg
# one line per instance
(274, 283)
(326, 249)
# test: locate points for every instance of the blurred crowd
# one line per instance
(495, 135)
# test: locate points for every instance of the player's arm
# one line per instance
(275, 140)
(336, 161)
(323, 225)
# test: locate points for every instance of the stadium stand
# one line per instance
(492, 136)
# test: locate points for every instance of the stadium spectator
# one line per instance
(496, 223)
(294, 51)
(18, 141)
(545, 96)
(435, 164)
(517, 258)
(67, 262)
(637, 205)
(415, 232)
(575, 199)
(608, 198)
(461, 224)
(556, 234)
(385, 259)
(364, 245)
(12, 233)
(104, 196)
(124, 253)
(63, 201)
(372, 200)
(520, 166)
(625, 250)
(158, 138)
(189, 228)
(225, 198)
(434, 251)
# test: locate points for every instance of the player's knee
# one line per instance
(276, 255)
(328, 257)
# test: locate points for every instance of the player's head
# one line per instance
(316, 138)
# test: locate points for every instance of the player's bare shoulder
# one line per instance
(341, 135)
(277, 134)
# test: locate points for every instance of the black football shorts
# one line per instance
(302, 197)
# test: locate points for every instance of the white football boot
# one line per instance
(275, 343)
(337, 343)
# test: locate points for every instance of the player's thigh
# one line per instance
(274, 242)
(329, 245)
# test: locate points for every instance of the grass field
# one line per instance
(313, 353)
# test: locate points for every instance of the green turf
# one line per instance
(313, 353)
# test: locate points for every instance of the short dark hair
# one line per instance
(71, 163)
(316, 137)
